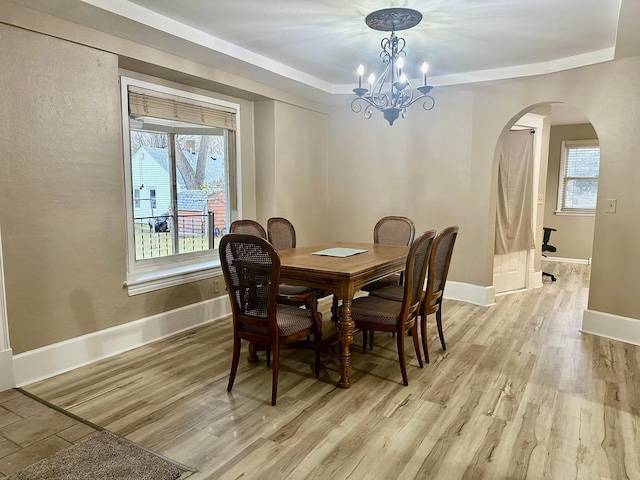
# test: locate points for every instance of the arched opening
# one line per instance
(560, 196)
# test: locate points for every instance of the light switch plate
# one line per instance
(612, 204)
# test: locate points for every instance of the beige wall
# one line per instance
(419, 167)
(439, 167)
(62, 193)
(291, 168)
(574, 236)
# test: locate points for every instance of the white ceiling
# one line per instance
(316, 45)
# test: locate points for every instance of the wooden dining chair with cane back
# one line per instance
(390, 230)
(251, 270)
(437, 272)
(282, 235)
(248, 227)
(436, 279)
(289, 294)
(373, 313)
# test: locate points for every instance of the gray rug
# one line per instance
(101, 456)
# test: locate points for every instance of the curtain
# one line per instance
(514, 217)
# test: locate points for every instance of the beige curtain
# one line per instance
(514, 217)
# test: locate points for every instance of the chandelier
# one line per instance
(392, 92)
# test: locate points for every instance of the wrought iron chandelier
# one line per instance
(392, 92)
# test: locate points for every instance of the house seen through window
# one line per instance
(578, 182)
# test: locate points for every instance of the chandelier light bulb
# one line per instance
(425, 69)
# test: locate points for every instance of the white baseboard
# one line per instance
(582, 261)
(611, 326)
(45, 362)
(466, 292)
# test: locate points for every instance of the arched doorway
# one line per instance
(554, 127)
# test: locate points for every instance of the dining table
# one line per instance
(334, 268)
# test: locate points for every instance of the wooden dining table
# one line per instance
(343, 277)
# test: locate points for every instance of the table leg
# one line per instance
(345, 336)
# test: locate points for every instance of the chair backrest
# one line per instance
(394, 230)
(281, 233)
(439, 263)
(416, 269)
(545, 239)
(248, 227)
(251, 269)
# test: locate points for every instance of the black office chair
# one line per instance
(548, 248)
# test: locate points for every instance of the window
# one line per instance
(152, 197)
(180, 164)
(578, 180)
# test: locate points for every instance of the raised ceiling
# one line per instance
(319, 43)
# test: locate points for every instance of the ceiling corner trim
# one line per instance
(156, 21)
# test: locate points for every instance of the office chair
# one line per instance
(548, 248)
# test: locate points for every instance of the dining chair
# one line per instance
(438, 270)
(251, 269)
(391, 230)
(282, 235)
(248, 227)
(372, 313)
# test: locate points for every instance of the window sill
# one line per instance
(148, 280)
(575, 214)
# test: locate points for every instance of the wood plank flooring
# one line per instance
(519, 393)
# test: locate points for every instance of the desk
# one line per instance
(343, 277)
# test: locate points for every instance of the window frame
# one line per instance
(151, 274)
(562, 178)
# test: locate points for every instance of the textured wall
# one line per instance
(62, 194)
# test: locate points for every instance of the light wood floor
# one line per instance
(519, 393)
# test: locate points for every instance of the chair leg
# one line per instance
(371, 339)
(334, 309)
(268, 353)
(439, 324)
(235, 358)
(276, 367)
(318, 343)
(402, 360)
(364, 340)
(423, 334)
(416, 343)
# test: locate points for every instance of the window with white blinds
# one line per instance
(578, 179)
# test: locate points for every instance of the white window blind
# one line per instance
(578, 182)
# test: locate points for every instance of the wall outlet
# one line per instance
(217, 285)
(612, 204)
(541, 199)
